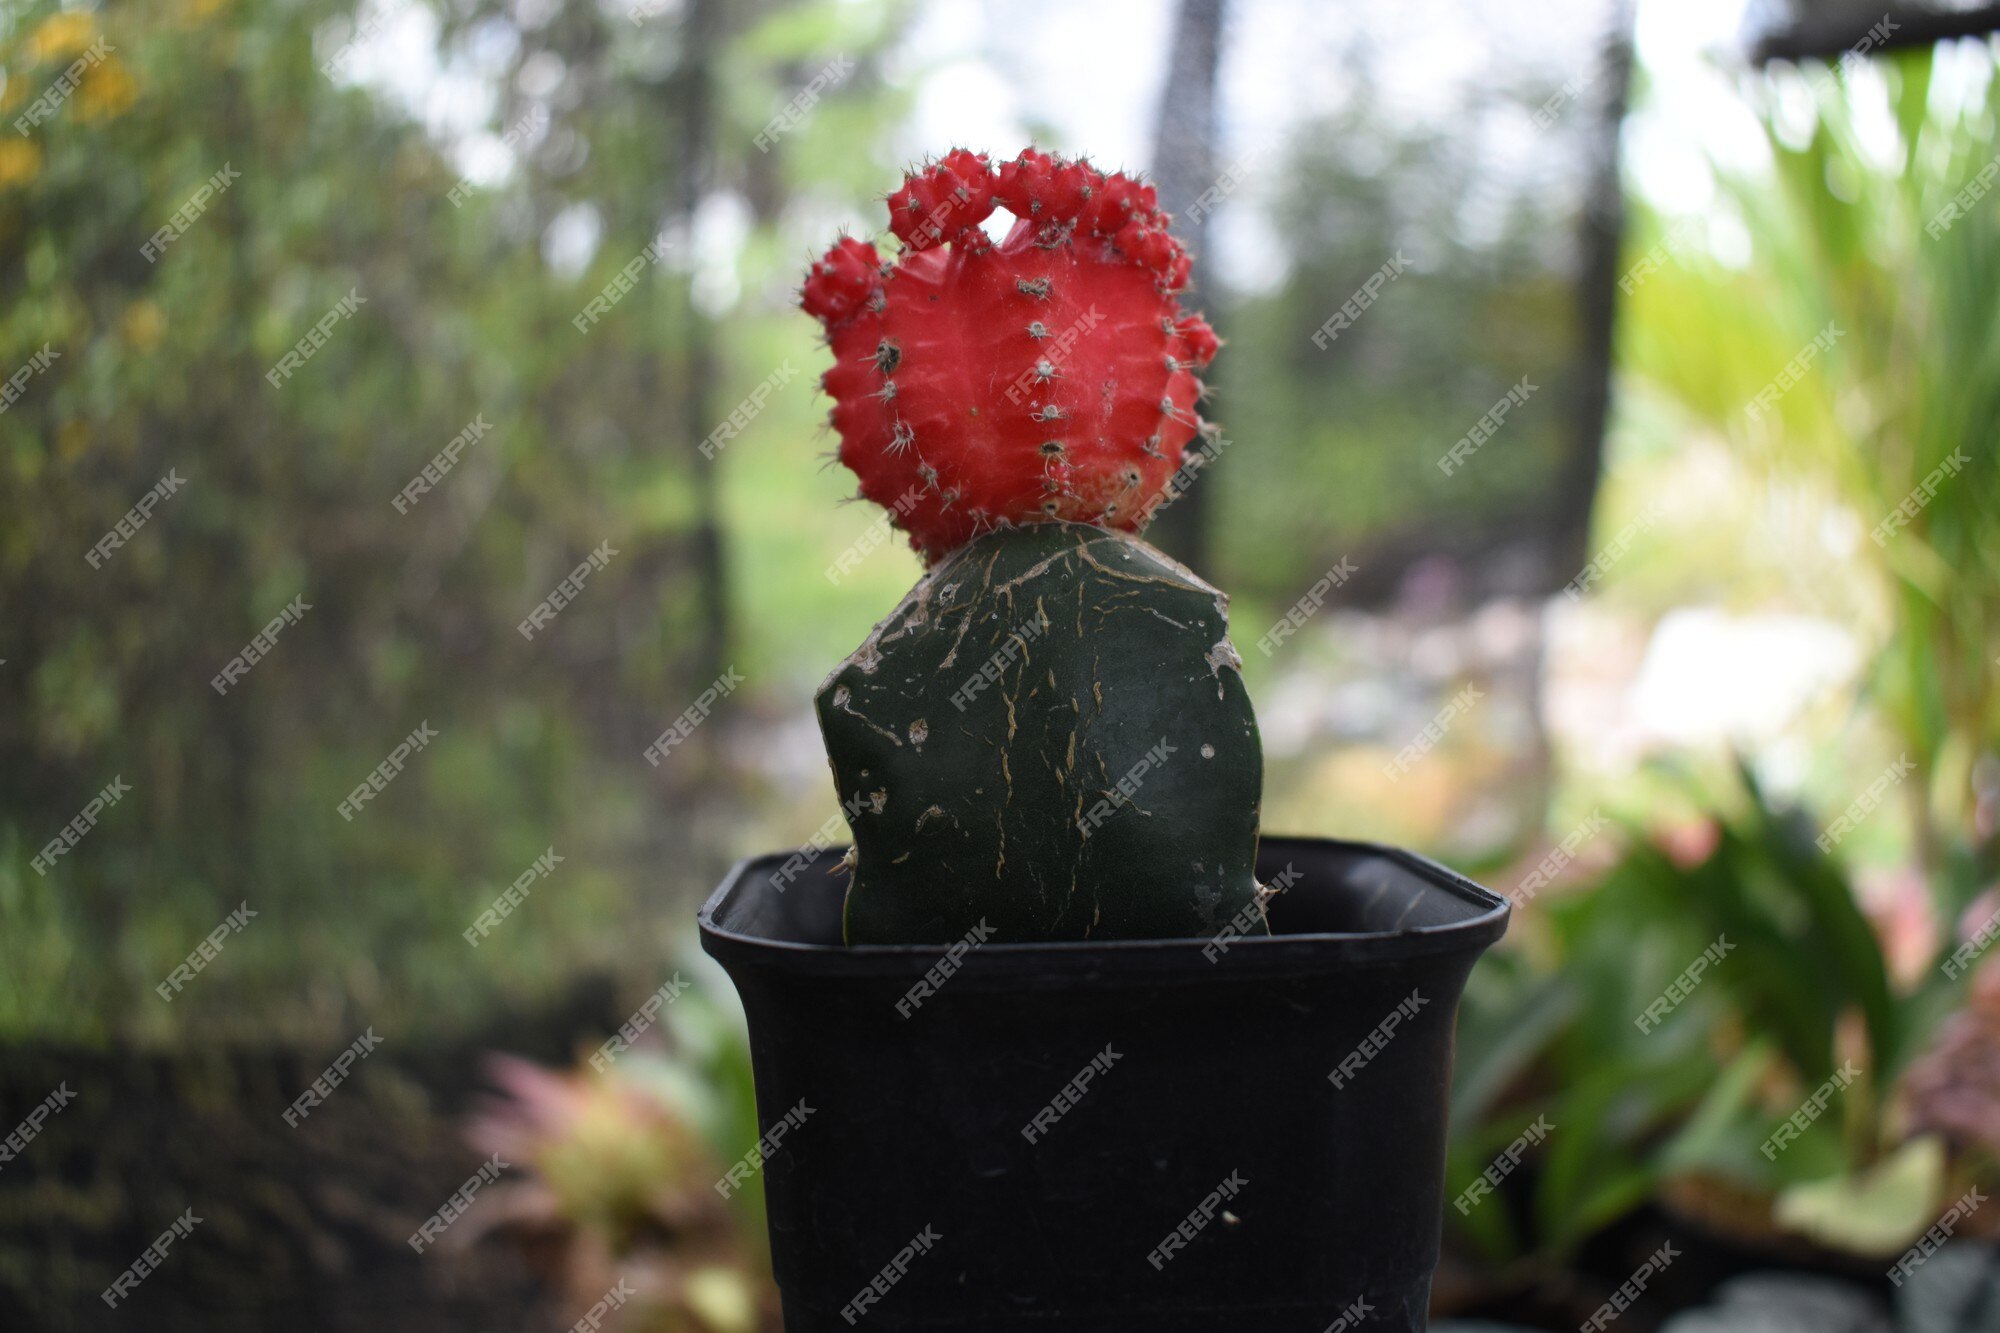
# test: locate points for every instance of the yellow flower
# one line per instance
(143, 325)
(108, 88)
(20, 162)
(61, 36)
(197, 11)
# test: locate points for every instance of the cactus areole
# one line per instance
(1049, 738)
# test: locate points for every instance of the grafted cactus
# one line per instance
(1050, 738)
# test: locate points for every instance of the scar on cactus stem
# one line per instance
(1051, 375)
(1050, 738)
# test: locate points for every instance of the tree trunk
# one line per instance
(1601, 232)
(1183, 166)
(699, 364)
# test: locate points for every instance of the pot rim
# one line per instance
(1081, 959)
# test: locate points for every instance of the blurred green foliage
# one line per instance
(288, 490)
(1849, 232)
(1847, 228)
(1336, 443)
(1795, 985)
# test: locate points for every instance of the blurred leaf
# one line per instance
(1875, 1212)
(1718, 1135)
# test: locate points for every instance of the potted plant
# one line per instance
(1058, 1043)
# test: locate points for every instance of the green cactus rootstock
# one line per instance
(1049, 738)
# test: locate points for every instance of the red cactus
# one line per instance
(1048, 376)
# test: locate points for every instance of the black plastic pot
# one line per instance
(906, 1192)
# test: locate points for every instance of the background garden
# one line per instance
(1725, 587)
